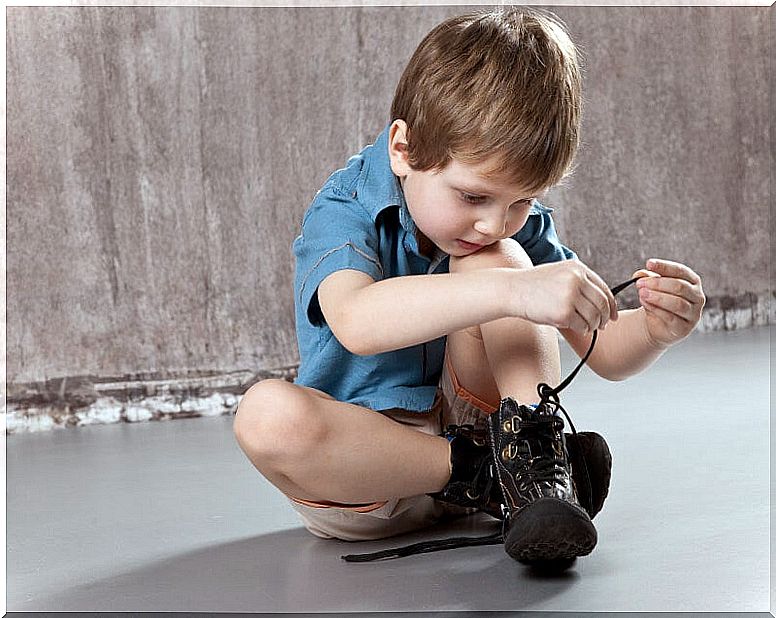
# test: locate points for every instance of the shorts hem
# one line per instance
(326, 504)
(461, 392)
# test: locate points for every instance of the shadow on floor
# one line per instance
(293, 571)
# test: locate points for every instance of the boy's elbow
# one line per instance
(352, 338)
(357, 345)
(608, 373)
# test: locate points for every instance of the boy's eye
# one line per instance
(472, 199)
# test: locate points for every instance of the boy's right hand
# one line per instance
(566, 295)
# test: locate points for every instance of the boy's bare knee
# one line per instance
(256, 407)
(276, 418)
(505, 253)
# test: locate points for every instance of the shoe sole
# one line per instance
(550, 530)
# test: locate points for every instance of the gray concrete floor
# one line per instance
(169, 516)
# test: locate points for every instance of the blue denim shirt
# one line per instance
(359, 220)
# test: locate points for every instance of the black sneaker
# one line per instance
(544, 521)
(473, 482)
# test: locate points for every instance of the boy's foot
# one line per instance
(544, 522)
(474, 483)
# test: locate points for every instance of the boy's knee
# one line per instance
(274, 417)
(506, 253)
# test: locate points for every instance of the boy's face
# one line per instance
(457, 209)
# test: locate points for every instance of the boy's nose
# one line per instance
(492, 227)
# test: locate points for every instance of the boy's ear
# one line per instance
(398, 151)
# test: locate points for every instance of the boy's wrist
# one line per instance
(514, 295)
(656, 346)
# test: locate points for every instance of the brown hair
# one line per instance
(505, 83)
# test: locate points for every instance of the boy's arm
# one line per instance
(672, 304)
(623, 349)
(369, 317)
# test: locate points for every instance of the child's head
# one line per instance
(500, 86)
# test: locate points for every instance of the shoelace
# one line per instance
(548, 397)
(545, 427)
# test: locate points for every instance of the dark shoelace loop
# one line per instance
(539, 469)
(548, 397)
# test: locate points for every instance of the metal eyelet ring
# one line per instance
(507, 426)
(470, 496)
(509, 451)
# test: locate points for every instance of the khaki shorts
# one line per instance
(453, 405)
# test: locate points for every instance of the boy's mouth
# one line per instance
(469, 246)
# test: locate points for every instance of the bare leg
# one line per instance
(507, 357)
(313, 447)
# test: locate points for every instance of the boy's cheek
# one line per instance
(516, 225)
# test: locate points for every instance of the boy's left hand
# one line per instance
(672, 301)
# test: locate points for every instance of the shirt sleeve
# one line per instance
(540, 240)
(337, 234)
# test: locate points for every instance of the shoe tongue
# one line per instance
(540, 412)
(527, 414)
(535, 413)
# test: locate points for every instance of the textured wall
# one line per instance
(160, 160)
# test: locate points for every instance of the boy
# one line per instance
(429, 284)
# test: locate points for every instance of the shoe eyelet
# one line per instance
(470, 496)
(507, 426)
(509, 452)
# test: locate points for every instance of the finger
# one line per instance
(611, 307)
(668, 302)
(677, 287)
(667, 268)
(594, 306)
(643, 272)
(676, 325)
(578, 324)
(691, 292)
(585, 324)
(589, 313)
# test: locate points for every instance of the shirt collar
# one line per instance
(378, 185)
